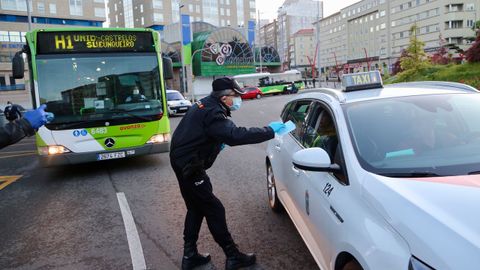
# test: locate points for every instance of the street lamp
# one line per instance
(181, 46)
(193, 56)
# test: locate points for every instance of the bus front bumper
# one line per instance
(75, 158)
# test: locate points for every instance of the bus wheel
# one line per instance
(259, 96)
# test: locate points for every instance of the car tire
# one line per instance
(259, 96)
(352, 265)
(273, 200)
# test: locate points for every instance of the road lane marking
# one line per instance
(7, 180)
(19, 155)
(136, 251)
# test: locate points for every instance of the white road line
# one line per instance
(136, 251)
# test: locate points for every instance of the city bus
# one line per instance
(105, 88)
(271, 83)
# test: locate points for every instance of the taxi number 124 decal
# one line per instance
(328, 189)
(94, 131)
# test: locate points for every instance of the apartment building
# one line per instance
(268, 34)
(44, 14)
(294, 15)
(302, 51)
(158, 13)
(373, 33)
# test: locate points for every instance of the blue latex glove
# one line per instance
(277, 126)
(222, 146)
(37, 118)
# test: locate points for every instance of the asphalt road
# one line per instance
(69, 217)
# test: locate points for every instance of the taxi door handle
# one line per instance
(277, 147)
(295, 171)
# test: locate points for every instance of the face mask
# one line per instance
(237, 102)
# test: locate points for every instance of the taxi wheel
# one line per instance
(273, 201)
(259, 96)
(352, 265)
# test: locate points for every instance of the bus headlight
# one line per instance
(159, 138)
(52, 150)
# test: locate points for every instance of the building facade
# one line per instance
(302, 51)
(158, 13)
(268, 34)
(294, 15)
(44, 14)
(373, 33)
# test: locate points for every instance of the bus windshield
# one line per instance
(88, 88)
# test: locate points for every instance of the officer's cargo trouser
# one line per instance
(197, 192)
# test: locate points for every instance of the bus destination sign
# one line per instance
(90, 41)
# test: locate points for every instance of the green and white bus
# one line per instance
(271, 83)
(105, 88)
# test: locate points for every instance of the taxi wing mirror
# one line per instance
(18, 66)
(167, 68)
(314, 159)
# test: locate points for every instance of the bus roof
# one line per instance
(251, 75)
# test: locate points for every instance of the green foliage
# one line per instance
(415, 58)
(464, 73)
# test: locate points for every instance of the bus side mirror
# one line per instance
(18, 66)
(167, 68)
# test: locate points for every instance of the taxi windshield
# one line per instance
(415, 136)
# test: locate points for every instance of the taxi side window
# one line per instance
(297, 113)
(320, 131)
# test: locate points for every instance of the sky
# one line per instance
(268, 8)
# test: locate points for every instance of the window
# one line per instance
(197, 8)
(158, 4)
(141, 8)
(14, 36)
(470, 23)
(143, 21)
(76, 7)
(297, 113)
(470, 7)
(41, 7)
(382, 13)
(2, 81)
(52, 8)
(190, 8)
(222, 11)
(157, 17)
(100, 12)
(4, 36)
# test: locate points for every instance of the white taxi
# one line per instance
(378, 177)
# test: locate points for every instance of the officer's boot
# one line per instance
(191, 257)
(237, 259)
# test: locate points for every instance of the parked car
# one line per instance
(380, 177)
(177, 103)
(252, 92)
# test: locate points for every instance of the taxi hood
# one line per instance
(438, 217)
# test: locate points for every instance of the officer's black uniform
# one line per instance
(195, 145)
(15, 131)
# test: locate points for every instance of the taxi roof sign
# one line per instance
(361, 81)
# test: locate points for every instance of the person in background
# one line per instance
(12, 112)
(136, 96)
(16, 130)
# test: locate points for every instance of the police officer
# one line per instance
(26, 126)
(198, 139)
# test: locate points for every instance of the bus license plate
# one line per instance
(113, 155)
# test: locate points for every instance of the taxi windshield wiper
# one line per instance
(409, 174)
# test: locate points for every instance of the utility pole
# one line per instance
(259, 42)
(181, 47)
(29, 14)
(317, 51)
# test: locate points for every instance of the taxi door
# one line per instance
(291, 143)
(322, 189)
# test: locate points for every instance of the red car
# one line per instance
(251, 93)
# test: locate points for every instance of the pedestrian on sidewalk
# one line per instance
(201, 135)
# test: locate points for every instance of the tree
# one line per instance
(396, 68)
(416, 57)
(473, 53)
(441, 56)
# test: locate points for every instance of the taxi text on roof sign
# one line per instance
(362, 81)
